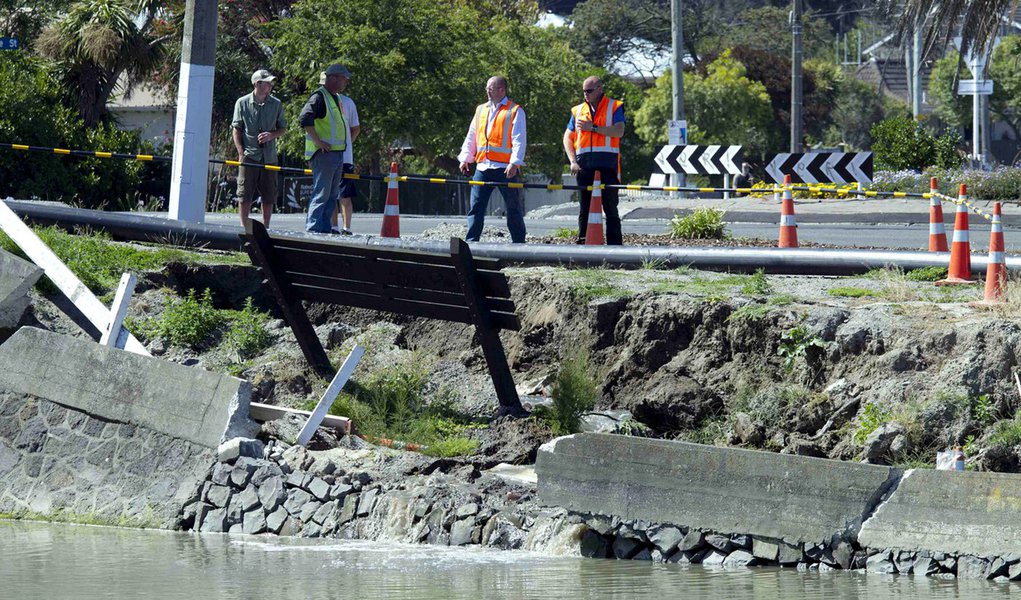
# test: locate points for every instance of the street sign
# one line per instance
(9, 43)
(700, 160)
(677, 133)
(970, 87)
(822, 167)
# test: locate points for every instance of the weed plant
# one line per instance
(189, 322)
(796, 343)
(872, 418)
(574, 394)
(247, 335)
(757, 284)
(702, 224)
(565, 233)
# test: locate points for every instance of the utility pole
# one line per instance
(796, 76)
(677, 65)
(916, 73)
(190, 171)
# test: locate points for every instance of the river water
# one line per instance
(53, 561)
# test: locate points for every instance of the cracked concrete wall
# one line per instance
(17, 277)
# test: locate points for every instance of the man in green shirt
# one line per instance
(258, 122)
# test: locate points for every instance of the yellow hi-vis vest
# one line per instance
(332, 128)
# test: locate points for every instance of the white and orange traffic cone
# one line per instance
(594, 231)
(392, 209)
(996, 265)
(959, 272)
(788, 224)
(937, 230)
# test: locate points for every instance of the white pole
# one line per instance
(330, 394)
(976, 111)
(112, 332)
(726, 184)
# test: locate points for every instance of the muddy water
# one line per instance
(68, 561)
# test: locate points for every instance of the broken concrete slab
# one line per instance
(183, 402)
(17, 276)
(794, 498)
(948, 511)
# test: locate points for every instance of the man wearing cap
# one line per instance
(496, 145)
(258, 121)
(347, 186)
(326, 140)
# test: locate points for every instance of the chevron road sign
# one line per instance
(701, 160)
(822, 167)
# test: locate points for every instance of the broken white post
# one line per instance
(330, 394)
(112, 335)
(62, 277)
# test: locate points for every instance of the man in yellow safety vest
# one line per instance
(326, 129)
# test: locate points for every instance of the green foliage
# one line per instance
(722, 106)
(589, 284)
(901, 143)
(574, 393)
(566, 233)
(248, 335)
(871, 418)
(420, 68)
(1006, 434)
(710, 432)
(702, 224)
(850, 292)
(858, 107)
(795, 343)
(757, 284)
(188, 322)
(926, 274)
(983, 409)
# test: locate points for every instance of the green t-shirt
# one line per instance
(252, 119)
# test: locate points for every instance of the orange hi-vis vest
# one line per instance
(494, 145)
(590, 141)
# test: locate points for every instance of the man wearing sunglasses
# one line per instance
(592, 144)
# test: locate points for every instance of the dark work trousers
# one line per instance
(606, 177)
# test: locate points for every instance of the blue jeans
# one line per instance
(327, 173)
(480, 202)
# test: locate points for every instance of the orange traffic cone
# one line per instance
(788, 225)
(996, 267)
(392, 210)
(594, 232)
(960, 250)
(937, 230)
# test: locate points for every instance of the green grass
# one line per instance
(926, 274)
(589, 284)
(1006, 433)
(718, 288)
(99, 261)
(566, 233)
(757, 285)
(701, 224)
(574, 393)
(850, 292)
(189, 322)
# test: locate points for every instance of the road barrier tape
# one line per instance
(854, 191)
(978, 211)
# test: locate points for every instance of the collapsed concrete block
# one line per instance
(235, 448)
(182, 402)
(17, 277)
(794, 498)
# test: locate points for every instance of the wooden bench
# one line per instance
(455, 287)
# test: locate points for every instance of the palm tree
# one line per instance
(979, 20)
(95, 43)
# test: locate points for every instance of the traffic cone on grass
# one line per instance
(996, 265)
(594, 232)
(392, 210)
(937, 230)
(788, 225)
(959, 272)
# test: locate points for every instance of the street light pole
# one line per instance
(796, 76)
(677, 66)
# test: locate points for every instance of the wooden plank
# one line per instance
(486, 331)
(330, 395)
(112, 332)
(382, 270)
(340, 248)
(443, 312)
(260, 251)
(345, 285)
(62, 277)
(268, 412)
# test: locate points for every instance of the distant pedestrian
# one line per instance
(258, 122)
(592, 144)
(347, 186)
(495, 144)
(746, 179)
(326, 139)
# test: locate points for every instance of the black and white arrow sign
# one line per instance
(701, 160)
(822, 167)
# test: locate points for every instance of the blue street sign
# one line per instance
(8, 43)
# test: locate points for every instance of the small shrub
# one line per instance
(247, 335)
(566, 233)
(871, 419)
(1006, 434)
(757, 284)
(702, 224)
(189, 322)
(795, 343)
(574, 393)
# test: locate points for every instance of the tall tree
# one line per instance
(977, 21)
(97, 41)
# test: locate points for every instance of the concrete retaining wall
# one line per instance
(17, 276)
(795, 498)
(182, 402)
(946, 511)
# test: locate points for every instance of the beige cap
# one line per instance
(263, 75)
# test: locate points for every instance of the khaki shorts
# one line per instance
(254, 181)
